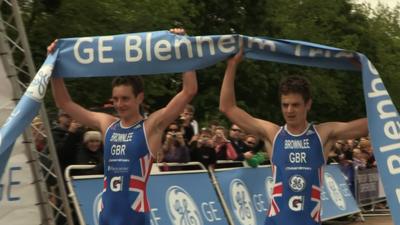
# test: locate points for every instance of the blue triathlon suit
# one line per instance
(297, 168)
(127, 165)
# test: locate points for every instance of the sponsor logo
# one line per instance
(334, 191)
(116, 184)
(97, 207)
(37, 88)
(181, 207)
(297, 183)
(241, 202)
(269, 185)
(310, 132)
(296, 203)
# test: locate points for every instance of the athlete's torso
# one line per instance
(297, 163)
(127, 165)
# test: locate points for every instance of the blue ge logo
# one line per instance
(182, 209)
(334, 191)
(37, 88)
(97, 208)
(241, 202)
(269, 185)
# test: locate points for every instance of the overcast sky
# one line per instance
(373, 3)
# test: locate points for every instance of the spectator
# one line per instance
(174, 147)
(67, 139)
(202, 149)
(366, 147)
(235, 136)
(223, 147)
(254, 154)
(359, 162)
(189, 125)
(91, 152)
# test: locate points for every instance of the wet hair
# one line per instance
(295, 85)
(136, 82)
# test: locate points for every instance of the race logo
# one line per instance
(296, 203)
(269, 185)
(182, 209)
(97, 205)
(37, 88)
(116, 184)
(241, 202)
(297, 183)
(334, 191)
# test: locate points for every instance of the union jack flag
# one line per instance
(276, 192)
(316, 197)
(138, 183)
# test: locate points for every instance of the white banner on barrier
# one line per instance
(18, 196)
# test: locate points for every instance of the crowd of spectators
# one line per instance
(185, 142)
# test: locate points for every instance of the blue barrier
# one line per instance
(174, 199)
(247, 192)
(190, 198)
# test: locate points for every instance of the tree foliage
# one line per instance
(339, 23)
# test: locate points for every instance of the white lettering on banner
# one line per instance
(297, 144)
(162, 46)
(210, 212)
(89, 51)
(226, 44)
(391, 128)
(315, 52)
(118, 149)
(9, 186)
(393, 164)
(154, 218)
(178, 43)
(200, 40)
(138, 48)
(129, 47)
(261, 43)
(103, 48)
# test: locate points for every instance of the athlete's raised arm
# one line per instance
(63, 101)
(228, 106)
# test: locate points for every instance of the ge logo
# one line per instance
(1, 138)
(37, 88)
(334, 191)
(182, 209)
(116, 184)
(241, 203)
(297, 183)
(97, 207)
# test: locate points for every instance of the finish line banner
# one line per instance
(163, 52)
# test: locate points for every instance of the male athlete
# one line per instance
(130, 142)
(299, 148)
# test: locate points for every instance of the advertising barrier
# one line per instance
(247, 192)
(175, 199)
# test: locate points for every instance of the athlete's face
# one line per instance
(125, 102)
(294, 109)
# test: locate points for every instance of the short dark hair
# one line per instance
(136, 82)
(295, 85)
